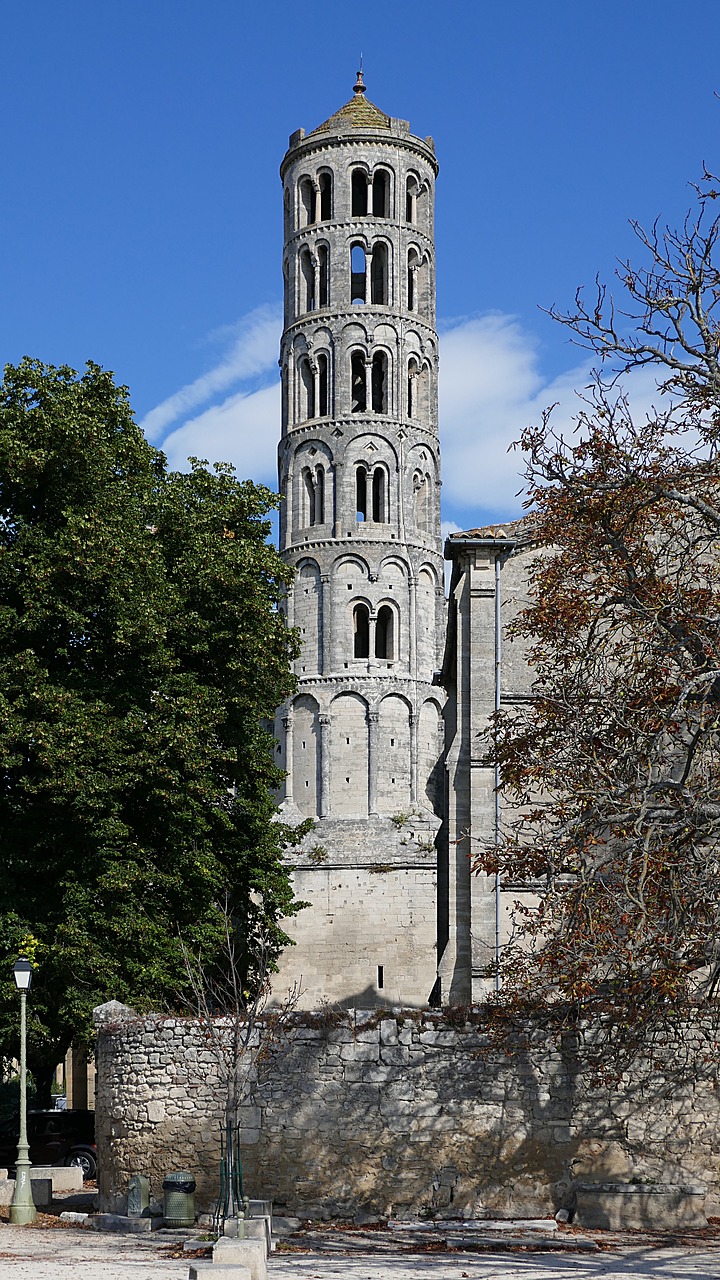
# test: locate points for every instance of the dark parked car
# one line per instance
(55, 1137)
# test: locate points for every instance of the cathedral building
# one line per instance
(363, 740)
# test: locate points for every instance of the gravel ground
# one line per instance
(52, 1250)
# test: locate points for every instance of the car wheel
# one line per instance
(84, 1160)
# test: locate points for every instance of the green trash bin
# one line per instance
(179, 1199)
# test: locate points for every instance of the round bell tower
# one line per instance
(359, 473)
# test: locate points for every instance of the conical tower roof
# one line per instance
(358, 113)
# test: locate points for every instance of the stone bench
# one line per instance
(621, 1206)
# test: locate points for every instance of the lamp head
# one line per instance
(22, 970)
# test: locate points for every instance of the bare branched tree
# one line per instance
(610, 775)
(230, 1002)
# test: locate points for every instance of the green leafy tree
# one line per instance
(610, 774)
(142, 651)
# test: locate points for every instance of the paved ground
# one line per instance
(28, 1253)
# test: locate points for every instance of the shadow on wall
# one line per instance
(393, 1113)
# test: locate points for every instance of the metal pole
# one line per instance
(23, 1208)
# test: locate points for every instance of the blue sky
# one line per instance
(140, 223)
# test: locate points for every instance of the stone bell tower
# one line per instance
(359, 472)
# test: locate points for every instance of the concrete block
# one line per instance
(233, 1271)
(63, 1177)
(123, 1225)
(623, 1206)
(41, 1191)
(249, 1253)
(257, 1228)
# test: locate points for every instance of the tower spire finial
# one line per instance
(359, 87)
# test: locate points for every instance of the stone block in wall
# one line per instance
(639, 1206)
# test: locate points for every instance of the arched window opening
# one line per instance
(360, 494)
(381, 194)
(379, 274)
(358, 383)
(359, 193)
(325, 197)
(361, 631)
(287, 296)
(378, 380)
(308, 497)
(385, 633)
(323, 409)
(412, 266)
(307, 203)
(307, 383)
(410, 200)
(319, 496)
(307, 273)
(421, 499)
(286, 212)
(422, 207)
(379, 492)
(323, 275)
(358, 272)
(412, 388)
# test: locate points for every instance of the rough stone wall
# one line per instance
(401, 1114)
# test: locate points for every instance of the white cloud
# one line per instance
(253, 351)
(243, 429)
(491, 387)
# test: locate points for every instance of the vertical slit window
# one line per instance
(307, 274)
(379, 489)
(357, 274)
(308, 496)
(379, 274)
(359, 193)
(307, 203)
(325, 197)
(307, 383)
(323, 386)
(411, 290)
(319, 496)
(361, 631)
(358, 382)
(360, 494)
(381, 195)
(379, 382)
(323, 275)
(410, 196)
(384, 633)
(411, 388)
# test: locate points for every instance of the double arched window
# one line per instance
(370, 195)
(371, 493)
(418, 381)
(313, 483)
(313, 279)
(313, 388)
(379, 274)
(378, 389)
(315, 200)
(374, 633)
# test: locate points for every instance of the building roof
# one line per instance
(508, 530)
(358, 113)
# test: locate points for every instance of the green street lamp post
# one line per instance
(23, 1208)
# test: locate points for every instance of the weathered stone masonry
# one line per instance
(395, 1114)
